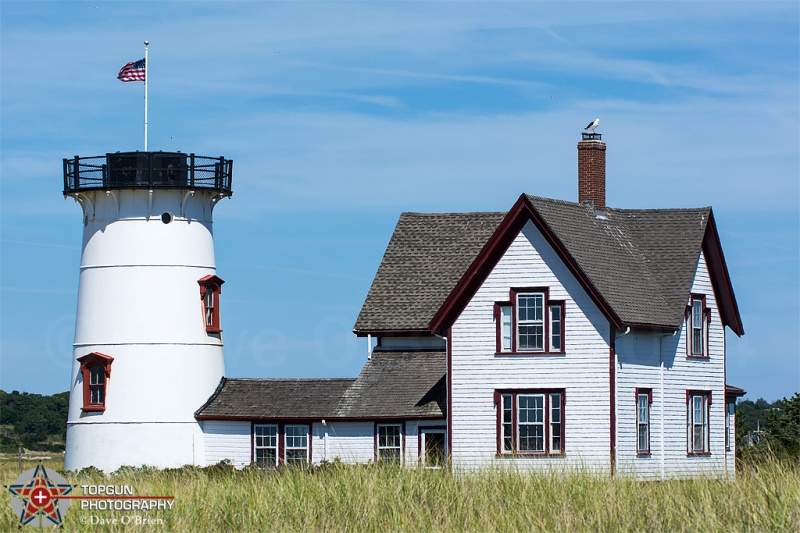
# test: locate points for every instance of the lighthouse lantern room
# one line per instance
(148, 347)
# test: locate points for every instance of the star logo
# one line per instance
(37, 497)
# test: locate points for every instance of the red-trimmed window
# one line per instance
(698, 317)
(530, 422)
(644, 398)
(210, 289)
(284, 443)
(95, 370)
(698, 407)
(529, 322)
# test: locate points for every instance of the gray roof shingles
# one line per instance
(642, 262)
(391, 385)
(426, 256)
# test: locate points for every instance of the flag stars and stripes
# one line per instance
(133, 71)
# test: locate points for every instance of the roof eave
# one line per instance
(409, 332)
(720, 278)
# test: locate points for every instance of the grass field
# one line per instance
(366, 498)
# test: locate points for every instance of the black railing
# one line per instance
(147, 170)
(591, 136)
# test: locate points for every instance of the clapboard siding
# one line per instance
(349, 442)
(583, 371)
(225, 439)
(639, 361)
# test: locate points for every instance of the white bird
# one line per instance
(592, 125)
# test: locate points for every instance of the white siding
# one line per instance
(583, 371)
(350, 442)
(225, 439)
(638, 365)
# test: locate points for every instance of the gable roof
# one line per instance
(637, 265)
(426, 257)
(391, 385)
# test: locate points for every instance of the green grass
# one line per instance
(367, 498)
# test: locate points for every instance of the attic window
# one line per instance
(95, 370)
(210, 289)
(697, 320)
(529, 323)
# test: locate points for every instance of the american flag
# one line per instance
(133, 71)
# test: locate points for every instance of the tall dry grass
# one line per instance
(368, 498)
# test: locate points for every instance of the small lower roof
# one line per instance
(392, 385)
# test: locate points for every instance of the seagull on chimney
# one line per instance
(592, 125)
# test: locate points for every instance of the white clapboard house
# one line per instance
(556, 335)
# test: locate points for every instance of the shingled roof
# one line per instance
(426, 256)
(391, 385)
(637, 264)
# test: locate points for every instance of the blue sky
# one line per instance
(339, 116)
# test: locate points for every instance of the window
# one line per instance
(697, 409)
(266, 445)
(275, 444)
(530, 323)
(730, 412)
(644, 397)
(530, 422)
(210, 289)
(95, 370)
(389, 443)
(432, 446)
(296, 447)
(697, 319)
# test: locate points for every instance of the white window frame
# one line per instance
(643, 401)
(260, 442)
(697, 412)
(730, 412)
(524, 421)
(555, 436)
(537, 323)
(302, 434)
(383, 448)
(506, 328)
(556, 332)
(424, 433)
(208, 302)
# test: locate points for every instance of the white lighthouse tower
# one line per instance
(148, 343)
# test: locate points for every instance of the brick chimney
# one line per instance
(592, 170)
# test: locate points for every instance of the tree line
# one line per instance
(33, 421)
(38, 422)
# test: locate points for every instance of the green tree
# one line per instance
(783, 436)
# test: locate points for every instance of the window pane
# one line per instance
(531, 337)
(697, 314)
(507, 423)
(555, 328)
(296, 457)
(530, 306)
(96, 375)
(555, 422)
(266, 457)
(505, 328)
(643, 406)
(531, 438)
(97, 393)
(643, 441)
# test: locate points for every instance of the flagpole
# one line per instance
(146, 65)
